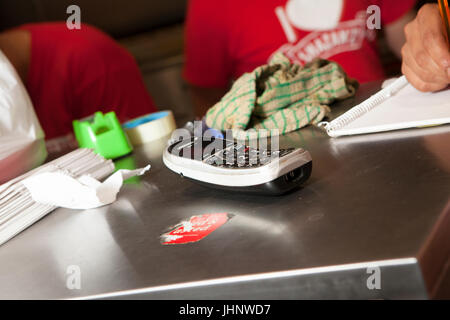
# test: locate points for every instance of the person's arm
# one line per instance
(394, 33)
(207, 61)
(16, 45)
(205, 98)
(426, 56)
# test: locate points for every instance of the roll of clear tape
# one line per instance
(150, 127)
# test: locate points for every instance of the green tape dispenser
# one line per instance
(104, 134)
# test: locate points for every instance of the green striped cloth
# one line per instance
(280, 97)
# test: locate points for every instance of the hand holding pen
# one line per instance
(426, 56)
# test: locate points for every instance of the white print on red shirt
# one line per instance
(345, 36)
(303, 14)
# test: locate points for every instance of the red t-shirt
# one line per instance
(74, 73)
(225, 39)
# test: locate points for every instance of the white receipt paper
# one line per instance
(62, 190)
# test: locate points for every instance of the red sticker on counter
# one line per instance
(195, 229)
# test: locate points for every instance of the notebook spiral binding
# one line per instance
(356, 112)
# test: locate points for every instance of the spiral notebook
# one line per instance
(397, 106)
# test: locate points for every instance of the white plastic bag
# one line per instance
(22, 144)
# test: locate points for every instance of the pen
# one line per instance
(445, 14)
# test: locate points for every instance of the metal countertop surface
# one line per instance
(379, 200)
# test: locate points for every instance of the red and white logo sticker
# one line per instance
(195, 229)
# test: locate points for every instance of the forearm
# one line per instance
(395, 35)
(205, 98)
(16, 45)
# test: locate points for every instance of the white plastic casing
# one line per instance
(236, 177)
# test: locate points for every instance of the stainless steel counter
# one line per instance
(380, 200)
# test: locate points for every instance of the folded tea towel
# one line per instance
(280, 97)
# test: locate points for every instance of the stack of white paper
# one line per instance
(18, 210)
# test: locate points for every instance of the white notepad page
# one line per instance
(406, 108)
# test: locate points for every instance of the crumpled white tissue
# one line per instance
(62, 190)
